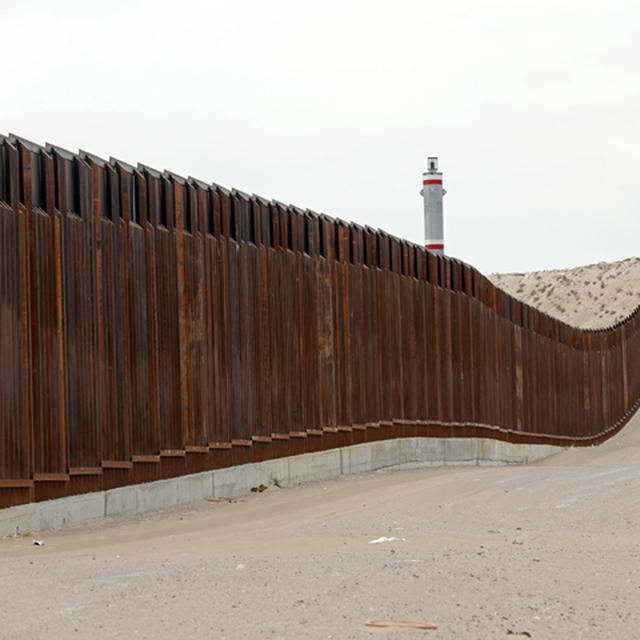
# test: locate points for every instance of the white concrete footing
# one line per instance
(401, 453)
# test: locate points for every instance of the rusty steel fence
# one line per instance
(153, 326)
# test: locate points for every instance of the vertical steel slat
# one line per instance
(149, 318)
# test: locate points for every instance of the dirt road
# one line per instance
(551, 550)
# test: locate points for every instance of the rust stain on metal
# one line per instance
(153, 325)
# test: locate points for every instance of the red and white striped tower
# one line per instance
(432, 192)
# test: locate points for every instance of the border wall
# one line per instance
(153, 326)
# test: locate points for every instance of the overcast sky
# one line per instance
(532, 107)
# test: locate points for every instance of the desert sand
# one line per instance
(550, 550)
(593, 296)
(547, 551)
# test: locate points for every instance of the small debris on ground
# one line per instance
(409, 624)
(510, 632)
(259, 489)
(385, 539)
(224, 500)
(38, 543)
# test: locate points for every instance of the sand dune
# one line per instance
(592, 296)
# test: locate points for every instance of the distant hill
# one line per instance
(593, 296)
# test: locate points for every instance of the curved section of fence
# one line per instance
(152, 326)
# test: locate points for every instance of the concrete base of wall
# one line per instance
(402, 453)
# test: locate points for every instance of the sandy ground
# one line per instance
(551, 550)
(596, 295)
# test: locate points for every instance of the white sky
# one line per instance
(532, 107)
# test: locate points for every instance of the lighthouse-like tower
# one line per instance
(432, 192)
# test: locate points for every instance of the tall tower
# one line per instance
(432, 192)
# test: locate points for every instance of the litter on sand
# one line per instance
(385, 539)
(38, 543)
(259, 489)
(408, 624)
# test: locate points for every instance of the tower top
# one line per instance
(432, 193)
